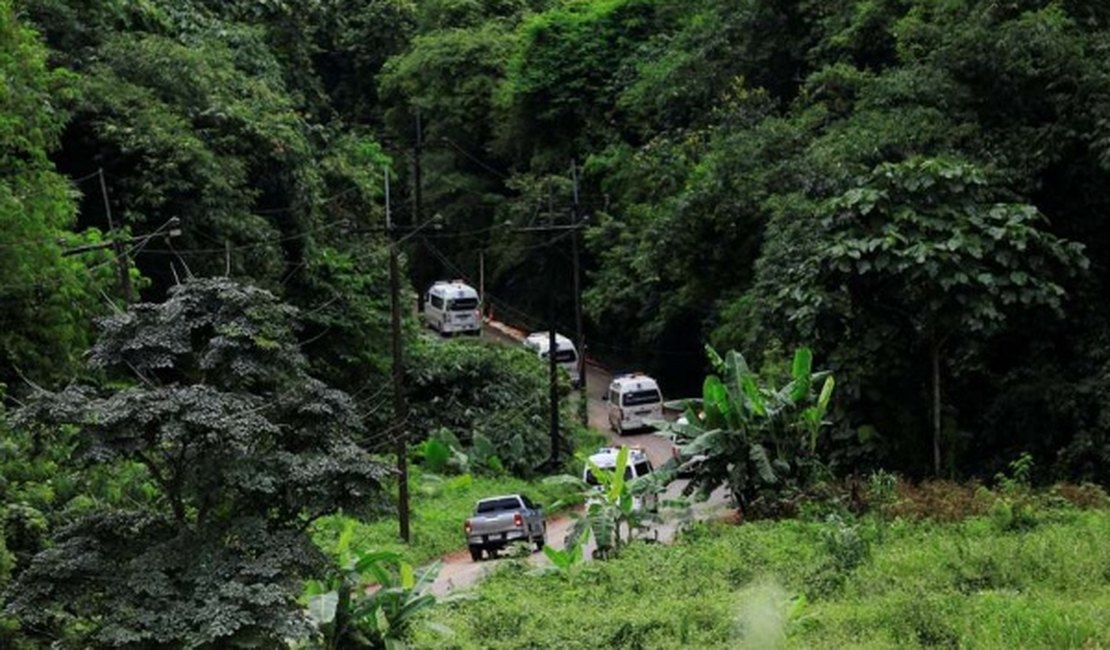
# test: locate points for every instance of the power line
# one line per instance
(473, 158)
(137, 244)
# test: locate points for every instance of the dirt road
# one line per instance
(459, 571)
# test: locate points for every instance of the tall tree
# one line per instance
(46, 300)
(928, 252)
(246, 449)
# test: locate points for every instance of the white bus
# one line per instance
(633, 400)
(566, 355)
(453, 307)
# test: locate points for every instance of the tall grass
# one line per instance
(807, 584)
(439, 506)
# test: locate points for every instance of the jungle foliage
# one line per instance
(915, 191)
(732, 158)
(246, 450)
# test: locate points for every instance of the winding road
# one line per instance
(460, 572)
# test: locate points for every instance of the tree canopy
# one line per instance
(246, 450)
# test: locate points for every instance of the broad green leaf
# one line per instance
(762, 464)
(617, 487)
(343, 543)
(755, 399)
(561, 559)
(408, 578)
(600, 475)
(737, 366)
(801, 374)
(428, 575)
(708, 442)
(716, 402)
(715, 359)
(826, 393)
(322, 607)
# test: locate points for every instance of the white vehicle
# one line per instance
(566, 355)
(638, 466)
(677, 454)
(453, 307)
(634, 400)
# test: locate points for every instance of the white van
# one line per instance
(633, 399)
(638, 466)
(566, 355)
(453, 307)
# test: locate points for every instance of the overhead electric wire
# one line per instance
(138, 245)
(473, 158)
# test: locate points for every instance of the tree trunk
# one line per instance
(934, 353)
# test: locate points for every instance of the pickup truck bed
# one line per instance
(501, 521)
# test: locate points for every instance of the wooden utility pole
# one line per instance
(122, 261)
(400, 405)
(580, 337)
(552, 346)
(482, 282)
(552, 349)
(418, 188)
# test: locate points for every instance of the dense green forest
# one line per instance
(916, 190)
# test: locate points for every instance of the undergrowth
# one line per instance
(959, 575)
(440, 504)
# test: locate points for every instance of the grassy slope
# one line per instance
(924, 584)
(439, 507)
(437, 517)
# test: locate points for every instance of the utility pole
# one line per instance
(171, 223)
(482, 282)
(122, 262)
(552, 349)
(580, 337)
(400, 405)
(418, 188)
(552, 346)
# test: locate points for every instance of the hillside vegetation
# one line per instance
(889, 216)
(840, 582)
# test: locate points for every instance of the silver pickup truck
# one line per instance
(500, 521)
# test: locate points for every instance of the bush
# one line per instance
(1085, 496)
(492, 398)
(944, 501)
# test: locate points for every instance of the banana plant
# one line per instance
(371, 602)
(563, 561)
(610, 514)
(747, 434)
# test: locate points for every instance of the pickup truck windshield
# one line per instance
(462, 304)
(640, 397)
(497, 505)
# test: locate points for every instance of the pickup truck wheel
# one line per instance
(476, 553)
(540, 541)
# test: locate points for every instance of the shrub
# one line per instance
(491, 398)
(944, 501)
(1085, 495)
(753, 436)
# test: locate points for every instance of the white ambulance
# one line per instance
(638, 466)
(633, 400)
(453, 307)
(566, 355)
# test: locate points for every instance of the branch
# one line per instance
(175, 499)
